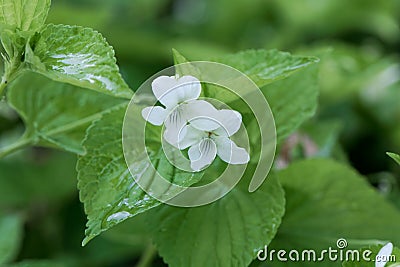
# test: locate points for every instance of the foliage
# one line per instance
(63, 90)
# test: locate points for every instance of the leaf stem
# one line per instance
(23, 142)
(147, 256)
(3, 86)
(12, 69)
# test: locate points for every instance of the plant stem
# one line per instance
(12, 69)
(147, 256)
(3, 85)
(14, 147)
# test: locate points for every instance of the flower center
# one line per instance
(211, 134)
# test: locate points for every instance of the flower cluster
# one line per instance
(193, 123)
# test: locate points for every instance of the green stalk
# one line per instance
(147, 256)
(12, 69)
(24, 142)
(3, 86)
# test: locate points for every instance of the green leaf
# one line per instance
(13, 43)
(185, 68)
(267, 66)
(178, 57)
(56, 114)
(107, 188)
(79, 56)
(26, 15)
(293, 100)
(289, 87)
(327, 201)
(11, 228)
(375, 250)
(228, 232)
(289, 83)
(394, 156)
(37, 180)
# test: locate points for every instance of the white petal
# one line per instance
(171, 91)
(384, 253)
(230, 121)
(174, 124)
(189, 88)
(155, 115)
(202, 115)
(174, 134)
(191, 137)
(229, 152)
(202, 154)
(161, 87)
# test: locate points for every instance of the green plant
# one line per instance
(64, 83)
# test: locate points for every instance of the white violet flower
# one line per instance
(178, 95)
(208, 135)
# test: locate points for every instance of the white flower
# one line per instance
(178, 95)
(383, 255)
(195, 123)
(208, 135)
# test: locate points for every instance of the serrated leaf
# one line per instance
(293, 100)
(107, 188)
(291, 96)
(374, 252)
(394, 156)
(79, 56)
(267, 66)
(327, 201)
(261, 66)
(182, 66)
(26, 15)
(56, 114)
(289, 83)
(11, 228)
(228, 232)
(13, 42)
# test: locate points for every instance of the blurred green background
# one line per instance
(357, 121)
